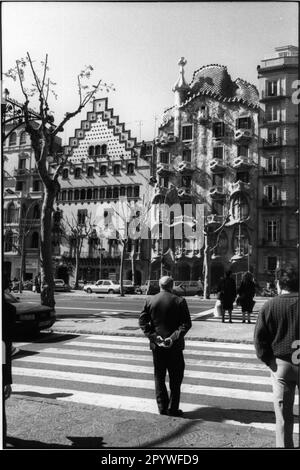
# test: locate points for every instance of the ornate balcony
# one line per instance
(217, 165)
(164, 168)
(242, 162)
(184, 192)
(239, 186)
(214, 219)
(217, 192)
(165, 140)
(185, 167)
(243, 135)
(271, 142)
(21, 172)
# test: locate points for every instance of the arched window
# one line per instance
(108, 193)
(95, 193)
(35, 240)
(82, 194)
(129, 191)
(36, 212)
(76, 194)
(11, 214)
(240, 207)
(23, 138)
(122, 191)
(12, 139)
(136, 191)
(64, 195)
(97, 150)
(130, 168)
(104, 149)
(65, 173)
(117, 170)
(90, 172)
(116, 192)
(91, 151)
(103, 170)
(102, 193)
(70, 195)
(77, 173)
(240, 241)
(89, 194)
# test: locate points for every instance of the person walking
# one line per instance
(246, 293)
(165, 320)
(276, 337)
(226, 293)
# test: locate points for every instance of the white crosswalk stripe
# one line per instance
(117, 372)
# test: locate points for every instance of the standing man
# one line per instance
(275, 338)
(226, 293)
(165, 320)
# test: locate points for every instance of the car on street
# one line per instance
(183, 288)
(149, 288)
(128, 287)
(30, 317)
(103, 286)
(61, 286)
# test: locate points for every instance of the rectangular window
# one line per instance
(81, 216)
(242, 176)
(272, 88)
(272, 136)
(187, 132)
(217, 180)
(271, 193)
(22, 163)
(218, 129)
(271, 263)
(243, 123)
(19, 186)
(243, 151)
(272, 230)
(272, 113)
(187, 155)
(218, 152)
(164, 157)
(273, 164)
(36, 185)
(164, 182)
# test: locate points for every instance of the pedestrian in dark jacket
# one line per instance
(165, 320)
(8, 320)
(246, 293)
(276, 339)
(226, 293)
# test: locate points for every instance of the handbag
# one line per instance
(218, 308)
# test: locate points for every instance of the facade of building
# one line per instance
(206, 153)
(105, 166)
(22, 200)
(278, 184)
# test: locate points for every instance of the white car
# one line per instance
(103, 286)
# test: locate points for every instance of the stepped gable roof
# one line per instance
(214, 80)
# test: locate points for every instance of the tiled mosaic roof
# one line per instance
(215, 81)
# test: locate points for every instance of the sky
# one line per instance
(136, 46)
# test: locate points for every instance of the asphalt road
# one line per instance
(85, 305)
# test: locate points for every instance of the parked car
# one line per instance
(128, 287)
(103, 286)
(149, 288)
(30, 317)
(183, 288)
(61, 286)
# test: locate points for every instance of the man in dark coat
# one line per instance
(276, 339)
(165, 320)
(227, 294)
(8, 320)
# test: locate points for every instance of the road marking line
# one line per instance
(100, 310)
(210, 391)
(146, 348)
(144, 340)
(148, 358)
(121, 402)
(249, 379)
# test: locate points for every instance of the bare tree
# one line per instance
(75, 232)
(43, 140)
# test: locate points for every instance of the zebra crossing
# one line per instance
(222, 381)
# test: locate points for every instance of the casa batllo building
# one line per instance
(103, 167)
(278, 185)
(206, 153)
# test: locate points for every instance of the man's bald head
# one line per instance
(166, 283)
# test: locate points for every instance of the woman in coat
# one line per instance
(246, 292)
(227, 294)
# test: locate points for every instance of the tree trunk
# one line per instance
(133, 266)
(23, 263)
(47, 279)
(77, 256)
(206, 288)
(122, 268)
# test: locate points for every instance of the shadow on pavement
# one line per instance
(220, 414)
(77, 442)
(43, 395)
(24, 353)
(55, 338)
